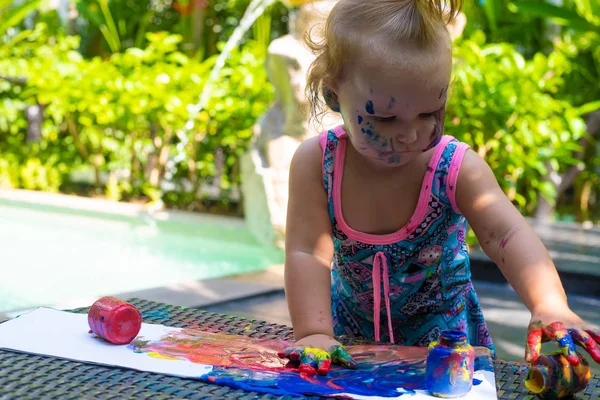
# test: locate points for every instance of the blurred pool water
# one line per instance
(51, 254)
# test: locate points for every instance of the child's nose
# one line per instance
(407, 136)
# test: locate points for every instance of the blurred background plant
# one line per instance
(94, 95)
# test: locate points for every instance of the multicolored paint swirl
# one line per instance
(450, 365)
(251, 364)
(553, 376)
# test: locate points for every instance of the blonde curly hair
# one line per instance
(370, 29)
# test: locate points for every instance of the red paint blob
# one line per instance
(114, 320)
(324, 367)
(307, 369)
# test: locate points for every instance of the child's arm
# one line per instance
(308, 256)
(308, 245)
(509, 241)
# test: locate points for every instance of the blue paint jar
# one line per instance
(450, 365)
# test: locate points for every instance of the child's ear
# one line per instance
(331, 99)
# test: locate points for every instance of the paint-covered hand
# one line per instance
(565, 328)
(308, 353)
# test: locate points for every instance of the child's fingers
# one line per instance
(595, 334)
(534, 342)
(308, 362)
(557, 331)
(581, 338)
(340, 356)
(291, 353)
(323, 365)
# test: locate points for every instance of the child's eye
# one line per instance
(385, 119)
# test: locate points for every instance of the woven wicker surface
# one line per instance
(25, 376)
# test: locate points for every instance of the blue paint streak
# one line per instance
(484, 364)
(367, 132)
(369, 107)
(369, 380)
(360, 119)
(477, 382)
(567, 342)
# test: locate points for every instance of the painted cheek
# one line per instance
(369, 107)
(391, 103)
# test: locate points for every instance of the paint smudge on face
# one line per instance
(554, 377)
(450, 365)
(252, 364)
(360, 119)
(443, 91)
(369, 107)
(331, 99)
(391, 103)
(434, 143)
(374, 139)
(438, 129)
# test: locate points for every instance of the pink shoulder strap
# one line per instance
(323, 143)
(459, 153)
(339, 132)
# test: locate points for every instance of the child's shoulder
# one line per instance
(308, 155)
(305, 174)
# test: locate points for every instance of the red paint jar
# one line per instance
(114, 320)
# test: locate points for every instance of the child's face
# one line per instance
(395, 113)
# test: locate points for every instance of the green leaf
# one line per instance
(560, 15)
(588, 108)
(14, 16)
(111, 27)
(84, 8)
(492, 11)
(584, 8)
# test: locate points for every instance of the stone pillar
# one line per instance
(279, 132)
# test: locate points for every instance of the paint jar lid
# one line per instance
(114, 320)
(125, 324)
(537, 379)
(453, 337)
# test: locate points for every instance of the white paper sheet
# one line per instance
(45, 331)
(63, 334)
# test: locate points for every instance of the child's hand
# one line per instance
(565, 328)
(313, 359)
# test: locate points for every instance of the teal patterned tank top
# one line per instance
(408, 286)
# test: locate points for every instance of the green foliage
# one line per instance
(570, 31)
(503, 105)
(122, 118)
(11, 16)
(116, 25)
(500, 24)
(108, 27)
